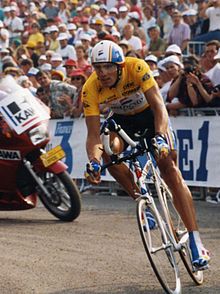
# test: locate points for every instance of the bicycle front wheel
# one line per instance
(158, 248)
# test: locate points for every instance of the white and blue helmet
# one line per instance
(107, 51)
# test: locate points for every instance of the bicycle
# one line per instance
(167, 244)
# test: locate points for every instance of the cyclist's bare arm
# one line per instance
(158, 107)
(93, 143)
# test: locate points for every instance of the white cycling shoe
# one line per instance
(200, 255)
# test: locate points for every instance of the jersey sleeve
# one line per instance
(90, 98)
(143, 75)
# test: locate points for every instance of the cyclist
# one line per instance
(127, 87)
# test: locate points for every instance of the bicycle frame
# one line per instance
(137, 149)
(173, 235)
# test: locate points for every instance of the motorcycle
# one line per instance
(27, 170)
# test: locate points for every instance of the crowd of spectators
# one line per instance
(46, 46)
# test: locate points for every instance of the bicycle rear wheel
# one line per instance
(180, 230)
(160, 255)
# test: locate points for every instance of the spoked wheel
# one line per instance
(180, 231)
(64, 200)
(159, 250)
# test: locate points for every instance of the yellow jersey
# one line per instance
(127, 98)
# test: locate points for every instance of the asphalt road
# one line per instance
(99, 253)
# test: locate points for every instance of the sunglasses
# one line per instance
(76, 78)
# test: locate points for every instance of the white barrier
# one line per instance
(198, 144)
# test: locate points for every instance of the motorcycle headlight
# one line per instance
(38, 134)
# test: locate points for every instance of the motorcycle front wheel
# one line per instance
(63, 199)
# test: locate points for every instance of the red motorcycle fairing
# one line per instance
(15, 201)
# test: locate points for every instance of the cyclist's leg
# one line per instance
(121, 172)
(184, 204)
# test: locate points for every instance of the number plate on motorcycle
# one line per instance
(52, 156)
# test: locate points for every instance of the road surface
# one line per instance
(99, 253)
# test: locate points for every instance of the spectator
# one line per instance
(138, 30)
(180, 33)
(65, 50)
(50, 10)
(211, 51)
(57, 63)
(54, 43)
(78, 79)
(165, 19)
(36, 37)
(182, 6)
(134, 42)
(60, 94)
(26, 64)
(84, 29)
(173, 50)
(86, 42)
(63, 13)
(124, 46)
(156, 44)
(123, 18)
(81, 56)
(165, 80)
(71, 27)
(148, 21)
(4, 36)
(213, 14)
(189, 88)
(31, 52)
(70, 66)
(151, 60)
(15, 26)
(57, 75)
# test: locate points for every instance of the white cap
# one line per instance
(155, 73)
(123, 8)
(123, 42)
(62, 36)
(174, 49)
(190, 12)
(43, 57)
(113, 10)
(4, 50)
(22, 79)
(56, 57)
(71, 26)
(151, 57)
(13, 8)
(172, 59)
(109, 22)
(1, 24)
(33, 71)
(217, 56)
(62, 25)
(160, 65)
(103, 6)
(86, 37)
(7, 9)
(117, 34)
(46, 67)
(134, 14)
(53, 29)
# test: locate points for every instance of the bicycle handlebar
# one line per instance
(111, 126)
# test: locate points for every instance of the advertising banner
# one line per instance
(197, 139)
